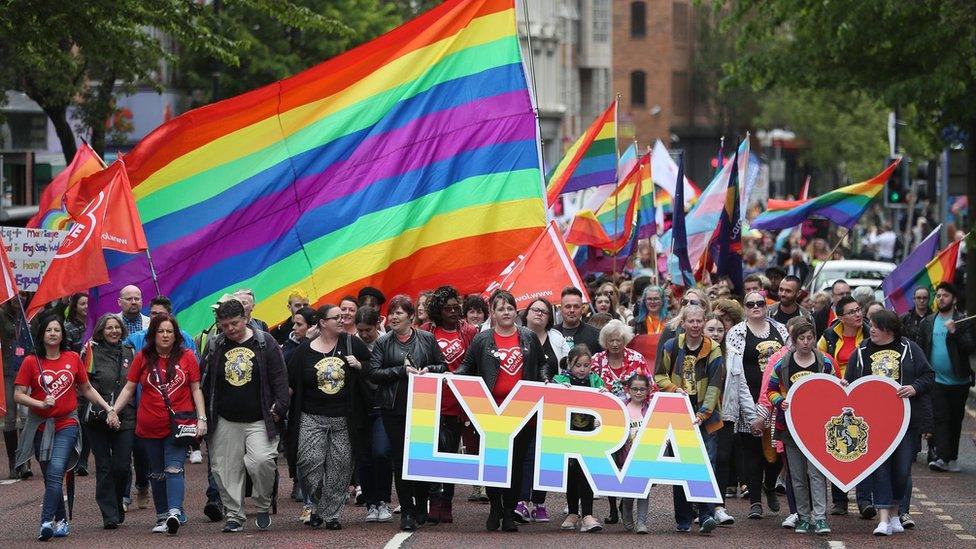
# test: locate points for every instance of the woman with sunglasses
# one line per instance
(652, 311)
(840, 341)
(749, 345)
(453, 336)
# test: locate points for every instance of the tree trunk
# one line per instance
(970, 283)
(59, 117)
(104, 107)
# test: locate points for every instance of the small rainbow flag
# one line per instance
(843, 206)
(611, 227)
(942, 268)
(590, 162)
(52, 214)
(408, 162)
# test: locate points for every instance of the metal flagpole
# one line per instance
(152, 270)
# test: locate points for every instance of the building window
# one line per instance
(601, 21)
(638, 19)
(679, 18)
(638, 88)
(680, 93)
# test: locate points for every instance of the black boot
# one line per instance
(508, 520)
(614, 516)
(494, 513)
(10, 441)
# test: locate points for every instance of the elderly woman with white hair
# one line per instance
(616, 363)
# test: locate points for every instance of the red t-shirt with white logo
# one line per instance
(152, 418)
(453, 348)
(510, 359)
(62, 376)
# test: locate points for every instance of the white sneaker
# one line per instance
(306, 515)
(160, 528)
(383, 513)
(372, 514)
(196, 457)
(953, 466)
(723, 517)
(883, 529)
(895, 524)
(790, 521)
(938, 465)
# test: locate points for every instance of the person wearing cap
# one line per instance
(372, 297)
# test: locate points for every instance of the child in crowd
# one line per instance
(579, 494)
(639, 388)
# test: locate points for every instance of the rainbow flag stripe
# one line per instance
(406, 163)
(590, 162)
(843, 206)
(942, 268)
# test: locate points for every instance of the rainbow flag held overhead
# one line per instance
(590, 162)
(942, 268)
(843, 206)
(408, 162)
(610, 227)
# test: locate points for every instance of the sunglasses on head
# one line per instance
(754, 304)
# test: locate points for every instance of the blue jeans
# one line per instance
(683, 510)
(528, 472)
(890, 480)
(53, 471)
(166, 461)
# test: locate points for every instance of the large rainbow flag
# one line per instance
(942, 268)
(843, 206)
(51, 213)
(590, 162)
(408, 162)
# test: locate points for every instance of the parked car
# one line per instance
(855, 272)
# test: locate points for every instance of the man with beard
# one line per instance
(787, 307)
(947, 344)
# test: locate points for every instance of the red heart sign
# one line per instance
(847, 432)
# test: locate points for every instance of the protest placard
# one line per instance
(30, 252)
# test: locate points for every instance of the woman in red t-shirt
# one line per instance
(165, 364)
(46, 384)
(503, 356)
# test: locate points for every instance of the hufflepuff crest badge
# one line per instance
(847, 436)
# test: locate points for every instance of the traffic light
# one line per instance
(896, 192)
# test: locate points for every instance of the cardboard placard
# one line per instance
(30, 252)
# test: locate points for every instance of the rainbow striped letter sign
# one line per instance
(669, 420)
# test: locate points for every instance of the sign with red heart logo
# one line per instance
(847, 432)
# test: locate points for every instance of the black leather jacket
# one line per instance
(480, 359)
(386, 366)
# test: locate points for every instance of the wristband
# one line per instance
(201, 418)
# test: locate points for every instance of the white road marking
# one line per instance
(966, 536)
(833, 544)
(9, 481)
(397, 541)
(956, 527)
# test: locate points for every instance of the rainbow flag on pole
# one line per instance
(590, 162)
(843, 206)
(942, 268)
(408, 162)
(610, 227)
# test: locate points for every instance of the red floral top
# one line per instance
(632, 362)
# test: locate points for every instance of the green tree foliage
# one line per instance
(66, 54)
(918, 56)
(277, 49)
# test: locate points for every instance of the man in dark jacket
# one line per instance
(948, 345)
(246, 389)
(920, 310)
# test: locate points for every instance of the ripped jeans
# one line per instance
(166, 461)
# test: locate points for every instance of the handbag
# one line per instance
(182, 425)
